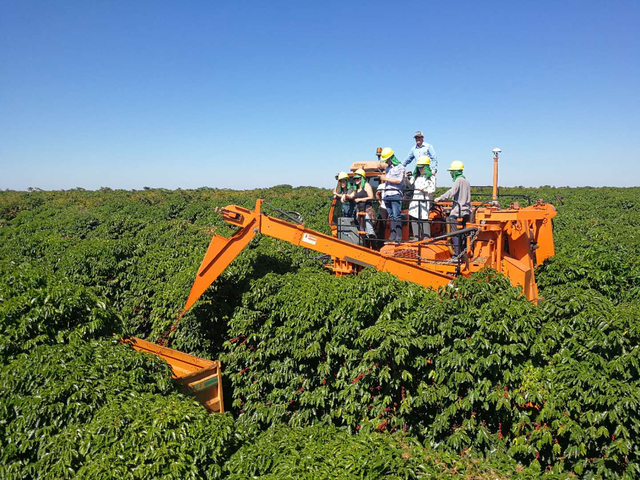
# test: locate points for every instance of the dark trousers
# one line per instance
(381, 225)
(348, 208)
(458, 223)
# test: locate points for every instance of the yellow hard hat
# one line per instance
(343, 175)
(456, 165)
(386, 153)
(424, 160)
(360, 172)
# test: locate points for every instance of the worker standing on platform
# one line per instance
(342, 190)
(392, 195)
(421, 149)
(362, 195)
(460, 193)
(424, 186)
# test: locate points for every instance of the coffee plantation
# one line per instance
(325, 377)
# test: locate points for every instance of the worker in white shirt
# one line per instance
(423, 182)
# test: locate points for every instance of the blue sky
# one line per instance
(245, 94)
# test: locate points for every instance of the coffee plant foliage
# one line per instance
(361, 376)
(96, 409)
(325, 451)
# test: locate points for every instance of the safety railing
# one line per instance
(483, 194)
(372, 230)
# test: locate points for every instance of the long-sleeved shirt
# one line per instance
(394, 173)
(416, 152)
(423, 190)
(461, 195)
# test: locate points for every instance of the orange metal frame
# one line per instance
(199, 377)
(512, 241)
(223, 250)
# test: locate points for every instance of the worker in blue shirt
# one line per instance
(421, 149)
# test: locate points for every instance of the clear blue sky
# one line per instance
(246, 94)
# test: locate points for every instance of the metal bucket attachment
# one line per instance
(199, 377)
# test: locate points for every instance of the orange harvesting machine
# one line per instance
(512, 240)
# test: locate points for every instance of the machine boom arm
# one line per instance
(222, 250)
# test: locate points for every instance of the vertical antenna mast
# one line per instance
(496, 152)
